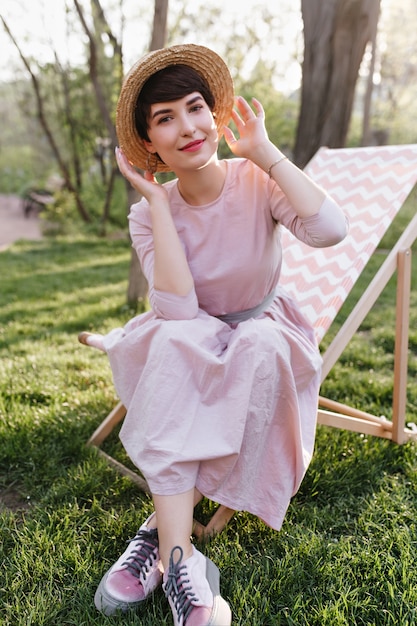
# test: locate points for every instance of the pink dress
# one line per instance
(226, 406)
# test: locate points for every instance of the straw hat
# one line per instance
(206, 62)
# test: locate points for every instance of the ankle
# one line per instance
(165, 554)
(151, 522)
(193, 591)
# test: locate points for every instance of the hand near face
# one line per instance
(146, 185)
(250, 125)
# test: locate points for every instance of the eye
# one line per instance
(196, 107)
(165, 119)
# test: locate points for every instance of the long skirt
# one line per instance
(228, 409)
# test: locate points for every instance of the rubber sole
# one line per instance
(107, 604)
(221, 614)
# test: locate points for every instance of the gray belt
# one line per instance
(242, 316)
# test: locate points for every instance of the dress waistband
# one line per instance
(242, 316)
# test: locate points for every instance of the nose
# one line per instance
(187, 125)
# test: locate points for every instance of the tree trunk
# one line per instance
(138, 286)
(336, 33)
(76, 161)
(367, 103)
(100, 25)
(159, 28)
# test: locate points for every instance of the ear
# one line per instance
(149, 146)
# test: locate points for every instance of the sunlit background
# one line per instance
(261, 41)
(44, 28)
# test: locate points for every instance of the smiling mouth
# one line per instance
(193, 146)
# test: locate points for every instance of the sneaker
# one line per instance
(134, 576)
(193, 591)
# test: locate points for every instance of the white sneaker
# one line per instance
(134, 576)
(193, 591)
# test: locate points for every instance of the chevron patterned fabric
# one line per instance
(370, 184)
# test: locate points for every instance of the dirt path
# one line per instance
(13, 224)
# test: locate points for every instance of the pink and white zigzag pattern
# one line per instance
(370, 184)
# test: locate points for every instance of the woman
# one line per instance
(220, 378)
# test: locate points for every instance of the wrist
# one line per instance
(267, 156)
(276, 163)
(156, 206)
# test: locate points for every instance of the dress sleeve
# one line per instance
(165, 305)
(326, 228)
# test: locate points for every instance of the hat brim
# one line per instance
(206, 62)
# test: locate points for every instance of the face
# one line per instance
(183, 132)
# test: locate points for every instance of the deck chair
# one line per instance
(371, 184)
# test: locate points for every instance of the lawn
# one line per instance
(346, 554)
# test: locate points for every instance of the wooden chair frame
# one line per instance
(341, 416)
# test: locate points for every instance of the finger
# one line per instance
(240, 124)
(258, 108)
(149, 176)
(120, 155)
(229, 136)
(122, 161)
(244, 108)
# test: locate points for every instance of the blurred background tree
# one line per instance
(336, 34)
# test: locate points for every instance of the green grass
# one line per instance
(346, 554)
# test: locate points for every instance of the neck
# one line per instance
(202, 186)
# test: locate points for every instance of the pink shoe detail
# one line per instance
(134, 576)
(193, 591)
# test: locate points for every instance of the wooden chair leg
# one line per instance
(125, 471)
(107, 425)
(399, 405)
(104, 429)
(216, 524)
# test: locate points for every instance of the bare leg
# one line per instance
(175, 523)
(197, 496)
(153, 523)
(190, 580)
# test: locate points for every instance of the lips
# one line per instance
(193, 146)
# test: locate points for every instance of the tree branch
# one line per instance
(93, 70)
(47, 130)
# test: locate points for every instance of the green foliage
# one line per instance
(21, 164)
(62, 217)
(401, 220)
(16, 170)
(346, 553)
(78, 130)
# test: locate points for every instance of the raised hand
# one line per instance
(250, 125)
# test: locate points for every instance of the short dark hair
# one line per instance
(171, 83)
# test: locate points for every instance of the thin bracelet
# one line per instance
(276, 163)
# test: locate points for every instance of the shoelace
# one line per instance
(142, 557)
(181, 595)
